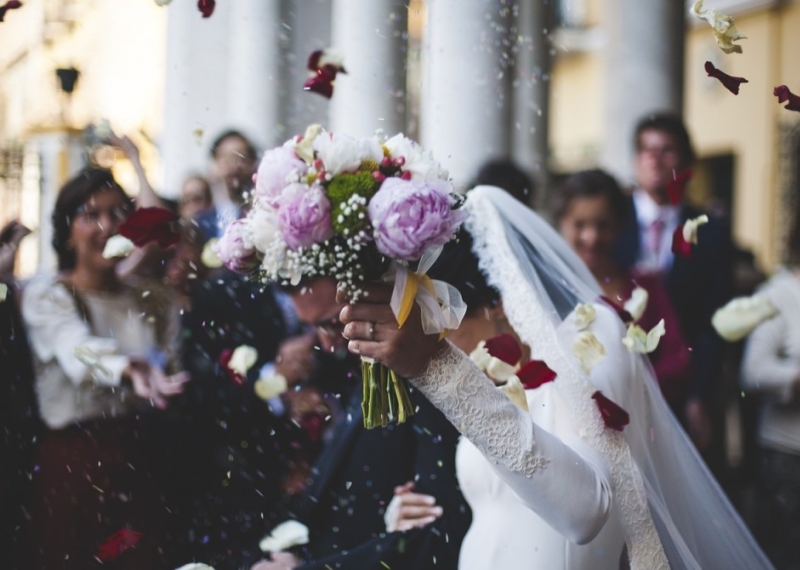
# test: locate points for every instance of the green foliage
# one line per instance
(347, 216)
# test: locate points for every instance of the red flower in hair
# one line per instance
(622, 313)
(206, 7)
(11, 5)
(504, 347)
(783, 94)
(613, 416)
(323, 66)
(730, 82)
(150, 224)
(677, 186)
(122, 540)
(224, 359)
(534, 374)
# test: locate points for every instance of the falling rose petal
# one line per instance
(636, 340)
(286, 535)
(206, 7)
(118, 543)
(224, 359)
(162, 2)
(209, 256)
(118, 246)
(783, 94)
(242, 359)
(320, 86)
(534, 374)
(621, 311)
(146, 225)
(515, 392)
(323, 65)
(679, 245)
(497, 357)
(741, 316)
(267, 387)
(730, 82)
(637, 304)
(588, 350)
(690, 228)
(722, 25)
(11, 5)
(613, 416)
(505, 347)
(676, 187)
(585, 314)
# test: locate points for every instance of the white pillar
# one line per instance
(372, 37)
(644, 71)
(531, 93)
(465, 107)
(253, 70)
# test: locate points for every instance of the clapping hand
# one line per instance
(409, 510)
(152, 383)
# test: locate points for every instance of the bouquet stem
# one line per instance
(386, 397)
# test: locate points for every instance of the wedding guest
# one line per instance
(590, 211)
(356, 474)
(233, 164)
(771, 370)
(508, 176)
(195, 197)
(104, 356)
(698, 285)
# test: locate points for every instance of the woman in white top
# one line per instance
(771, 368)
(101, 349)
(557, 487)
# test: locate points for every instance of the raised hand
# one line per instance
(409, 510)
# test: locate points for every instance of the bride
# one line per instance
(555, 487)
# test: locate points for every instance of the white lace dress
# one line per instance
(545, 498)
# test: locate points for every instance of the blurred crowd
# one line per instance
(119, 410)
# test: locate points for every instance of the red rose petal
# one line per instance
(206, 7)
(150, 224)
(504, 347)
(313, 60)
(623, 314)
(320, 86)
(679, 245)
(676, 187)
(223, 360)
(730, 82)
(613, 416)
(122, 540)
(783, 94)
(534, 374)
(10, 5)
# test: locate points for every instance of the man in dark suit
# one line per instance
(358, 471)
(697, 285)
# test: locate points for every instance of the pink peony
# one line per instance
(235, 250)
(409, 217)
(277, 167)
(304, 214)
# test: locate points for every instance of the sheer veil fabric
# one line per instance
(673, 513)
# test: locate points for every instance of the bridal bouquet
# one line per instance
(356, 210)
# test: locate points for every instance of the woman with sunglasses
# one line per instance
(103, 352)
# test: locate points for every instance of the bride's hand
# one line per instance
(409, 510)
(371, 328)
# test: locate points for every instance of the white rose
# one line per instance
(118, 246)
(585, 314)
(243, 359)
(286, 535)
(588, 350)
(636, 340)
(741, 316)
(637, 304)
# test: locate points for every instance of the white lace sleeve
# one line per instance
(569, 491)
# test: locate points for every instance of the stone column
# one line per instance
(643, 71)
(372, 36)
(465, 107)
(531, 93)
(253, 70)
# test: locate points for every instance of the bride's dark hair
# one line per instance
(458, 266)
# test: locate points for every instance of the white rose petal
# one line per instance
(637, 304)
(585, 314)
(118, 246)
(285, 535)
(243, 359)
(331, 56)
(636, 340)
(3, 292)
(724, 31)
(268, 387)
(690, 228)
(515, 392)
(209, 257)
(741, 316)
(493, 367)
(194, 565)
(588, 350)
